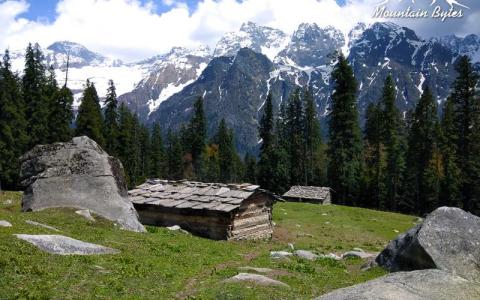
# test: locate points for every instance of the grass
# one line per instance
(161, 264)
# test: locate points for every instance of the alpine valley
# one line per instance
(236, 76)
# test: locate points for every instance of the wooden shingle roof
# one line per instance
(192, 194)
(307, 192)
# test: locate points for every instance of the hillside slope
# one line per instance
(162, 264)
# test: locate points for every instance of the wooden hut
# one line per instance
(213, 210)
(312, 194)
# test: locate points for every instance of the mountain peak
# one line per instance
(66, 47)
(262, 39)
(202, 51)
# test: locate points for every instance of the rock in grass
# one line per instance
(77, 174)
(62, 245)
(255, 278)
(41, 225)
(254, 269)
(4, 223)
(448, 239)
(86, 214)
(280, 254)
(415, 285)
(330, 255)
(359, 254)
(305, 254)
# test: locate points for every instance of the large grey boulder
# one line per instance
(77, 174)
(448, 239)
(63, 245)
(414, 285)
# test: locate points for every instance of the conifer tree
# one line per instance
(422, 143)
(295, 135)
(226, 155)
(374, 189)
(13, 125)
(110, 126)
(35, 97)
(174, 155)
(89, 119)
(250, 174)
(394, 143)
(280, 153)
(315, 166)
(197, 135)
(61, 115)
(451, 183)
(158, 164)
(145, 151)
(466, 121)
(345, 147)
(60, 112)
(266, 163)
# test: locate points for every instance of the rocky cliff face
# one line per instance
(167, 74)
(225, 86)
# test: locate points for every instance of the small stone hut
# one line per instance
(212, 210)
(311, 194)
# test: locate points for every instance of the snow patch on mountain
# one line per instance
(262, 39)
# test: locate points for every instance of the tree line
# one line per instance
(412, 163)
(35, 110)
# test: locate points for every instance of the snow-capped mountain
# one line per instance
(260, 39)
(167, 74)
(57, 54)
(245, 66)
(237, 93)
(85, 64)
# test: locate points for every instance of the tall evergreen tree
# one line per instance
(226, 155)
(174, 156)
(394, 143)
(250, 174)
(145, 151)
(110, 126)
(61, 116)
(158, 164)
(295, 135)
(13, 136)
(466, 121)
(374, 185)
(198, 134)
(266, 163)
(345, 147)
(35, 97)
(89, 119)
(422, 145)
(315, 166)
(451, 183)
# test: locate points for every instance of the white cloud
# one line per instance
(131, 30)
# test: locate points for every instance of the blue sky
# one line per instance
(44, 10)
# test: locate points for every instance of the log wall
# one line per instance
(253, 220)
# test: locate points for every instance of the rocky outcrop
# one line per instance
(442, 255)
(415, 285)
(77, 174)
(448, 239)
